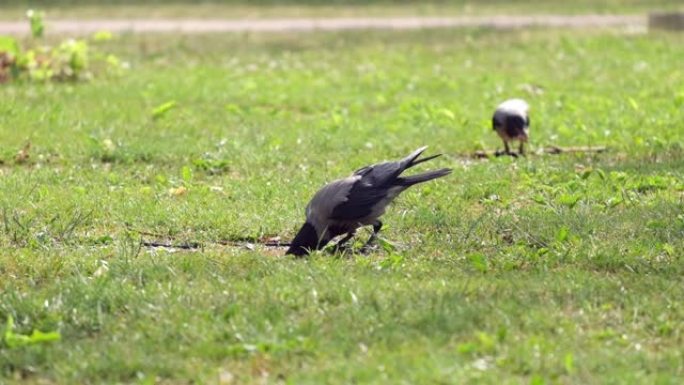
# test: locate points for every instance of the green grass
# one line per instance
(15, 9)
(550, 269)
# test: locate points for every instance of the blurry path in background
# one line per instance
(329, 24)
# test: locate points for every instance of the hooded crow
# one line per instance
(512, 122)
(344, 205)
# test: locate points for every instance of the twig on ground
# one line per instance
(551, 150)
(185, 246)
(240, 241)
(198, 245)
(560, 150)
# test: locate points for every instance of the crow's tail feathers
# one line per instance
(418, 161)
(413, 160)
(423, 177)
(408, 161)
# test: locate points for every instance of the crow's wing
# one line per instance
(360, 203)
(378, 174)
(368, 191)
(330, 196)
(373, 186)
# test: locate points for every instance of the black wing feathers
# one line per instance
(367, 191)
(361, 200)
(374, 184)
(422, 177)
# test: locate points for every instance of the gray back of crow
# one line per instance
(378, 186)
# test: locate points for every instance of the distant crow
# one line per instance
(512, 122)
(344, 205)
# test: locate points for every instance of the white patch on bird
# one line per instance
(518, 106)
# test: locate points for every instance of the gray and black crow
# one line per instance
(344, 205)
(512, 122)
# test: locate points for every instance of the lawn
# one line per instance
(552, 269)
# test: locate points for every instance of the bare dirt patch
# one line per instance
(331, 24)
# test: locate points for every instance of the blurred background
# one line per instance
(242, 8)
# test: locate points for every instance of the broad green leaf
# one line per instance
(569, 363)
(562, 234)
(387, 246)
(162, 109)
(614, 201)
(9, 45)
(15, 340)
(37, 336)
(102, 36)
(633, 104)
(186, 173)
(478, 261)
(569, 200)
(537, 380)
(538, 198)
(447, 113)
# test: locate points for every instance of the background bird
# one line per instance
(512, 122)
(344, 205)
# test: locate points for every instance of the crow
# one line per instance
(512, 122)
(344, 205)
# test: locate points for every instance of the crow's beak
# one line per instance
(305, 241)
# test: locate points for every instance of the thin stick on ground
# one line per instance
(198, 245)
(550, 150)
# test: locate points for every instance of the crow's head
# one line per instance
(306, 240)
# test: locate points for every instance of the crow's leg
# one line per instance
(340, 245)
(508, 150)
(369, 243)
(521, 148)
